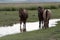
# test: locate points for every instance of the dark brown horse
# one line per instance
(40, 15)
(23, 18)
(46, 17)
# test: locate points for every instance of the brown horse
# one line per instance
(40, 15)
(23, 18)
(46, 17)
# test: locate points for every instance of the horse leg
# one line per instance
(20, 26)
(45, 24)
(48, 24)
(39, 24)
(24, 26)
(42, 24)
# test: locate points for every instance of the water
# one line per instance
(31, 26)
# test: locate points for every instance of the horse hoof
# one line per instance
(24, 30)
(20, 30)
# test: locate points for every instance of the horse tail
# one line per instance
(46, 14)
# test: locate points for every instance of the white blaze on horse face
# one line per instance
(25, 11)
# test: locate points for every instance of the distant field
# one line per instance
(12, 17)
(26, 4)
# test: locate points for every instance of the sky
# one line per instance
(19, 0)
(12, 0)
(29, 0)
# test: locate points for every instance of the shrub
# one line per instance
(53, 7)
(28, 8)
(59, 6)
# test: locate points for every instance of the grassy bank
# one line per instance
(12, 17)
(44, 34)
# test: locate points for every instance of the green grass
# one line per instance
(44, 34)
(55, 13)
(12, 17)
(8, 18)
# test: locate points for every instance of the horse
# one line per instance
(23, 15)
(40, 16)
(46, 17)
